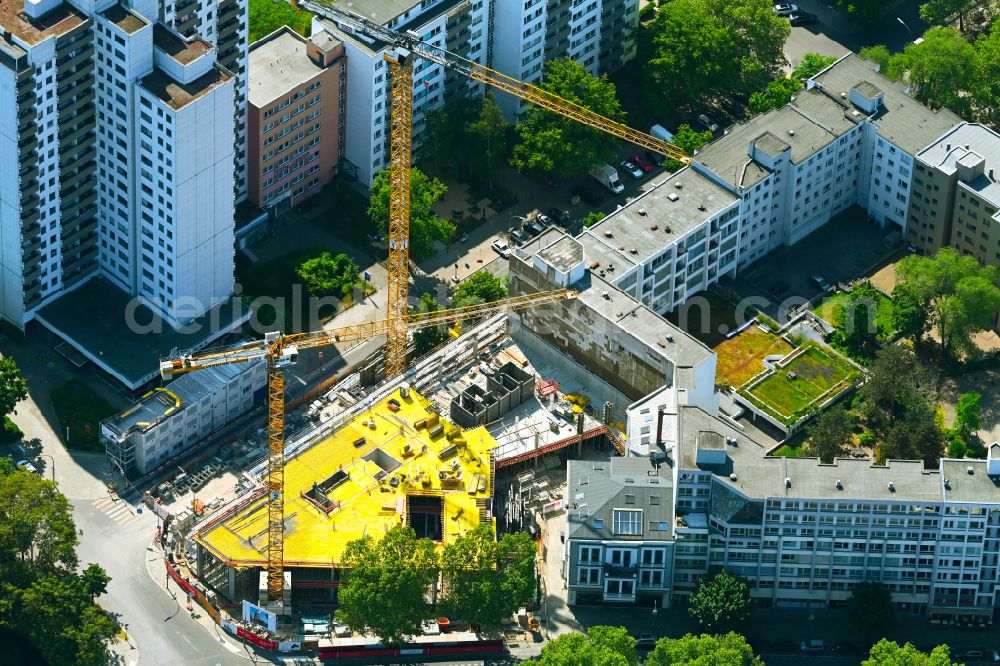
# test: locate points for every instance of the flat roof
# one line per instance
(951, 148)
(277, 65)
(564, 254)
(58, 22)
(125, 19)
(92, 319)
(663, 214)
(382, 12)
(178, 95)
(369, 476)
(961, 486)
(902, 119)
(181, 50)
(761, 476)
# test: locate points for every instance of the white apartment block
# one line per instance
(512, 37)
(116, 148)
(598, 34)
(169, 420)
(849, 138)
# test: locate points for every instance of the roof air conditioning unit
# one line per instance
(843, 95)
(732, 477)
(608, 234)
(672, 196)
(678, 184)
(788, 482)
(791, 132)
(840, 486)
(641, 211)
(892, 487)
(970, 469)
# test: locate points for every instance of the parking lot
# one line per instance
(845, 249)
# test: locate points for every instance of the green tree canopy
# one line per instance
(425, 225)
(447, 146)
(13, 388)
(946, 12)
(600, 646)
(553, 143)
(329, 275)
(881, 56)
(939, 69)
(485, 580)
(897, 403)
(869, 610)
(266, 16)
(701, 48)
(857, 321)
(42, 597)
(392, 574)
(490, 134)
(985, 80)
(427, 339)
(967, 414)
(829, 436)
(480, 287)
(778, 93)
(729, 649)
(959, 296)
(888, 653)
(689, 140)
(721, 602)
(866, 10)
(811, 65)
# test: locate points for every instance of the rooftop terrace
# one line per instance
(59, 21)
(377, 471)
(123, 18)
(178, 95)
(184, 52)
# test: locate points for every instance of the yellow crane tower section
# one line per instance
(280, 350)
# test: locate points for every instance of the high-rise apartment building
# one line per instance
(122, 153)
(956, 194)
(298, 94)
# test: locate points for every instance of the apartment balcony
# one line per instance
(27, 144)
(621, 570)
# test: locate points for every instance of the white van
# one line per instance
(661, 132)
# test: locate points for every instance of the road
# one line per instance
(837, 32)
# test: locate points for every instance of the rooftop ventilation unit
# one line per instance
(633, 251)
(608, 234)
(843, 95)
(701, 207)
(673, 196)
(605, 294)
(840, 486)
(731, 441)
(947, 484)
(788, 482)
(654, 227)
(970, 469)
(678, 184)
(892, 487)
(732, 477)
(641, 211)
(791, 132)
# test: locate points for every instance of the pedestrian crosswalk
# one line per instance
(116, 509)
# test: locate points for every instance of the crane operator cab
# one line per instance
(287, 354)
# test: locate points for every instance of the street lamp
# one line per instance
(903, 23)
(53, 468)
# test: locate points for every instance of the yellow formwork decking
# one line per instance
(364, 503)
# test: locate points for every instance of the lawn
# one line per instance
(791, 389)
(740, 357)
(266, 16)
(793, 450)
(829, 310)
(81, 411)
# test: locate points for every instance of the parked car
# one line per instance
(534, 228)
(974, 653)
(631, 169)
(519, 236)
(501, 248)
(645, 642)
(591, 195)
(708, 123)
(544, 220)
(731, 106)
(561, 217)
(820, 282)
(802, 18)
(641, 163)
(464, 238)
(785, 8)
(812, 646)
(760, 645)
(26, 466)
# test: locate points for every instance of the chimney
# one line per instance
(660, 413)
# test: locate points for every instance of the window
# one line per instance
(588, 576)
(598, 523)
(627, 522)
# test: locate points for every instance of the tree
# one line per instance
(957, 448)
(888, 653)
(729, 649)
(967, 414)
(721, 601)
(689, 140)
(779, 93)
(857, 321)
(880, 55)
(553, 143)
(266, 16)
(490, 138)
(960, 296)
(897, 403)
(445, 149)
(701, 48)
(867, 10)
(811, 65)
(425, 225)
(329, 275)
(830, 434)
(909, 316)
(480, 287)
(427, 339)
(985, 82)
(487, 580)
(13, 388)
(869, 609)
(392, 574)
(42, 598)
(939, 69)
(945, 12)
(593, 217)
(601, 646)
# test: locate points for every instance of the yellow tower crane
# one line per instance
(404, 48)
(279, 351)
